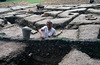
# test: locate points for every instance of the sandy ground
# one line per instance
(76, 57)
(13, 3)
(68, 1)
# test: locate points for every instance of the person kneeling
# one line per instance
(47, 31)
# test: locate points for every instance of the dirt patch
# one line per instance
(68, 1)
(76, 57)
(13, 3)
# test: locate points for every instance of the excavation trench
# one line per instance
(51, 52)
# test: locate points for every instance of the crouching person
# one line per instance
(47, 31)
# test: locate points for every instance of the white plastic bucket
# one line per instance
(26, 33)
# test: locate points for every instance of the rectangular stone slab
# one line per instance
(81, 20)
(16, 7)
(89, 31)
(57, 22)
(95, 11)
(67, 14)
(63, 8)
(77, 10)
(71, 34)
(34, 18)
(86, 5)
(6, 15)
(42, 23)
(4, 10)
(53, 13)
(49, 7)
(13, 31)
(23, 15)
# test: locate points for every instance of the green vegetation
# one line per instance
(30, 1)
(62, 38)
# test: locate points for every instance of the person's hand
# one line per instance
(42, 36)
(49, 36)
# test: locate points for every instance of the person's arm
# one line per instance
(41, 33)
(54, 33)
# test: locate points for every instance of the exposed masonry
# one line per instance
(79, 26)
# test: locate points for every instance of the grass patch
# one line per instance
(30, 1)
(62, 38)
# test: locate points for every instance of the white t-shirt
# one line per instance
(47, 32)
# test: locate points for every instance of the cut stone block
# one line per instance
(12, 31)
(82, 20)
(57, 7)
(49, 7)
(70, 5)
(23, 15)
(53, 13)
(9, 50)
(2, 16)
(95, 11)
(86, 5)
(16, 13)
(89, 31)
(76, 57)
(74, 11)
(78, 10)
(42, 23)
(57, 22)
(71, 34)
(30, 20)
(63, 8)
(16, 7)
(4, 10)
(67, 14)
(34, 18)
